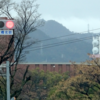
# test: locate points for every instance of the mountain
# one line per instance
(54, 29)
(70, 48)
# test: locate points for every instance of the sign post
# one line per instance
(8, 80)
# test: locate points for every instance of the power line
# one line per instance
(62, 43)
(67, 35)
(58, 44)
(60, 37)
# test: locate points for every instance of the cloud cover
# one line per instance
(74, 14)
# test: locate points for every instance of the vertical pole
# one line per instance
(8, 80)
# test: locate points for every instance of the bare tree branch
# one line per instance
(26, 21)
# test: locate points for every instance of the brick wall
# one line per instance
(50, 67)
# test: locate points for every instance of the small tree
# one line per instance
(40, 84)
(84, 86)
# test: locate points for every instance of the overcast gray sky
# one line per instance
(73, 14)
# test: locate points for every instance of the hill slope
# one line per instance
(68, 51)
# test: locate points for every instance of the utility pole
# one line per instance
(8, 80)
